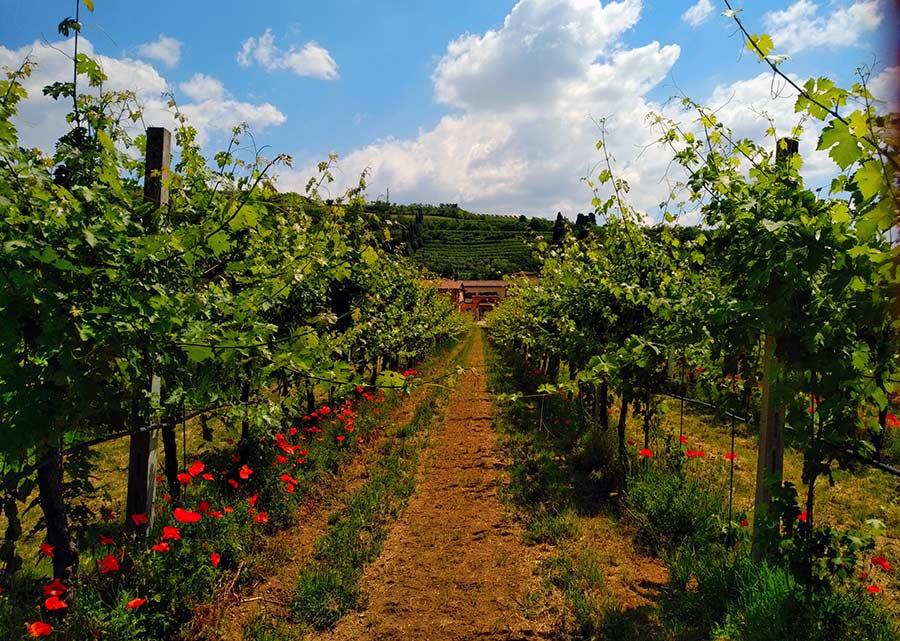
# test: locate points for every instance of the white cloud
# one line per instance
(801, 26)
(41, 120)
(310, 60)
(202, 87)
(885, 86)
(165, 49)
(698, 13)
(525, 94)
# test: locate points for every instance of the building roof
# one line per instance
(484, 283)
(449, 284)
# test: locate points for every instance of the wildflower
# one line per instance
(645, 452)
(691, 453)
(185, 516)
(207, 477)
(863, 575)
(170, 532)
(108, 564)
(161, 547)
(262, 517)
(802, 516)
(184, 478)
(214, 558)
(882, 562)
(891, 420)
(683, 439)
(135, 603)
(55, 603)
(39, 629)
(54, 589)
(232, 483)
(46, 549)
(874, 589)
(730, 456)
(744, 523)
(340, 437)
(252, 500)
(245, 472)
(281, 460)
(139, 519)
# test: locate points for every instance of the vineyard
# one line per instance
(230, 412)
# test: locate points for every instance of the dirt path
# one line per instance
(225, 618)
(454, 566)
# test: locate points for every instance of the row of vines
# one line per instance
(784, 305)
(248, 306)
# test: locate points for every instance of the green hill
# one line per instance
(456, 243)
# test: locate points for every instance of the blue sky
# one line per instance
(488, 104)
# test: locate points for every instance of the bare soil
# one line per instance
(287, 551)
(454, 566)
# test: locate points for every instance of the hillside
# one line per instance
(456, 243)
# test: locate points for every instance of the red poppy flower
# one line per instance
(55, 603)
(184, 478)
(802, 516)
(281, 460)
(232, 483)
(375, 411)
(135, 603)
(170, 532)
(39, 629)
(293, 431)
(340, 437)
(203, 507)
(139, 519)
(630, 441)
(891, 420)
(863, 575)
(700, 370)
(207, 476)
(744, 523)
(290, 488)
(229, 510)
(324, 410)
(683, 439)
(185, 516)
(881, 561)
(245, 472)
(214, 558)
(46, 549)
(109, 563)
(645, 452)
(691, 453)
(262, 517)
(167, 498)
(874, 589)
(730, 456)
(216, 514)
(701, 453)
(229, 441)
(235, 458)
(252, 500)
(54, 589)
(161, 547)
(195, 468)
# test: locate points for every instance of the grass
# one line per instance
(677, 508)
(857, 495)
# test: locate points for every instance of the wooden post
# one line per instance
(142, 455)
(770, 457)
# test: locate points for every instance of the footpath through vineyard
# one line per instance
(455, 565)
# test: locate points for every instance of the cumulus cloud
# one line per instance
(202, 87)
(165, 49)
(41, 120)
(310, 60)
(525, 98)
(698, 13)
(801, 26)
